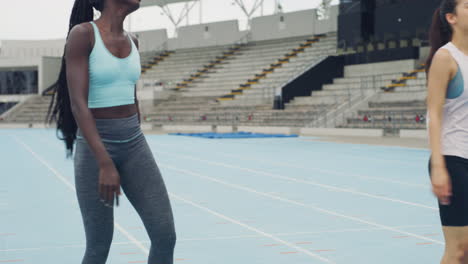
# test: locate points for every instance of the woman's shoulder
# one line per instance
(83, 29)
(443, 63)
(443, 54)
(444, 57)
(80, 37)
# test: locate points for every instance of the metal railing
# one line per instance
(251, 115)
(247, 117)
(392, 120)
(346, 103)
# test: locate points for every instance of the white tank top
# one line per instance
(455, 113)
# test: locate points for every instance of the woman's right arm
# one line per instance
(443, 68)
(77, 50)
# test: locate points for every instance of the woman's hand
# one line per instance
(441, 184)
(109, 184)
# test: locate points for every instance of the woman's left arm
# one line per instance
(135, 39)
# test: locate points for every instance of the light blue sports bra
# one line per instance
(111, 79)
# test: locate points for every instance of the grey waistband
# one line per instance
(119, 130)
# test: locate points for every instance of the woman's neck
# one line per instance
(112, 19)
(460, 39)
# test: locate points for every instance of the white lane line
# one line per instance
(340, 215)
(276, 197)
(314, 183)
(347, 174)
(339, 189)
(71, 187)
(273, 237)
(231, 220)
(343, 154)
(180, 240)
(331, 172)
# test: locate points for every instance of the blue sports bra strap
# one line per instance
(94, 26)
(131, 40)
(96, 31)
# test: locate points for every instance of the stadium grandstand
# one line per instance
(289, 137)
(286, 72)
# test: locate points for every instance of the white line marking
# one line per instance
(277, 239)
(316, 208)
(203, 208)
(82, 245)
(284, 164)
(275, 197)
(354, 146)
(359, 144)
(347, 174)
(70, 186)
(311, 182)
(324, 186)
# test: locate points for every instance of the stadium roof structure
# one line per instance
(161, 3)
(190, 4)
(164, 5)
(246, 9)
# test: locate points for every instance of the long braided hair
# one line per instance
(60, 109)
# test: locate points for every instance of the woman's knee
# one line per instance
(171, 240)
(96, 253)
(457, 253)
(463, 252)
(165, 239)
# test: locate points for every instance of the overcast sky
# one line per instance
(48, 19)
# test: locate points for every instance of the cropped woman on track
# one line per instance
(447, 102)
(95, 107)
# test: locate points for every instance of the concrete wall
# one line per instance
(22, 125)
(151, 39)
(294, 24)
(31, 48)
(224, 129)
(22, 63)
(186, 129)
(269, 130)
(306, 132)
(205, 35)
(414, 133)
(423, 54)
(13, 98)
(341, 132)
(48, 72)
(328, 25)
(379, 68)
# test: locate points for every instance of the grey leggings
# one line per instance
(141, 182)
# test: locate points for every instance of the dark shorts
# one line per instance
(456, 213)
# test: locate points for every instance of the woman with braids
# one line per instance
(95, 107)
(447, 102)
